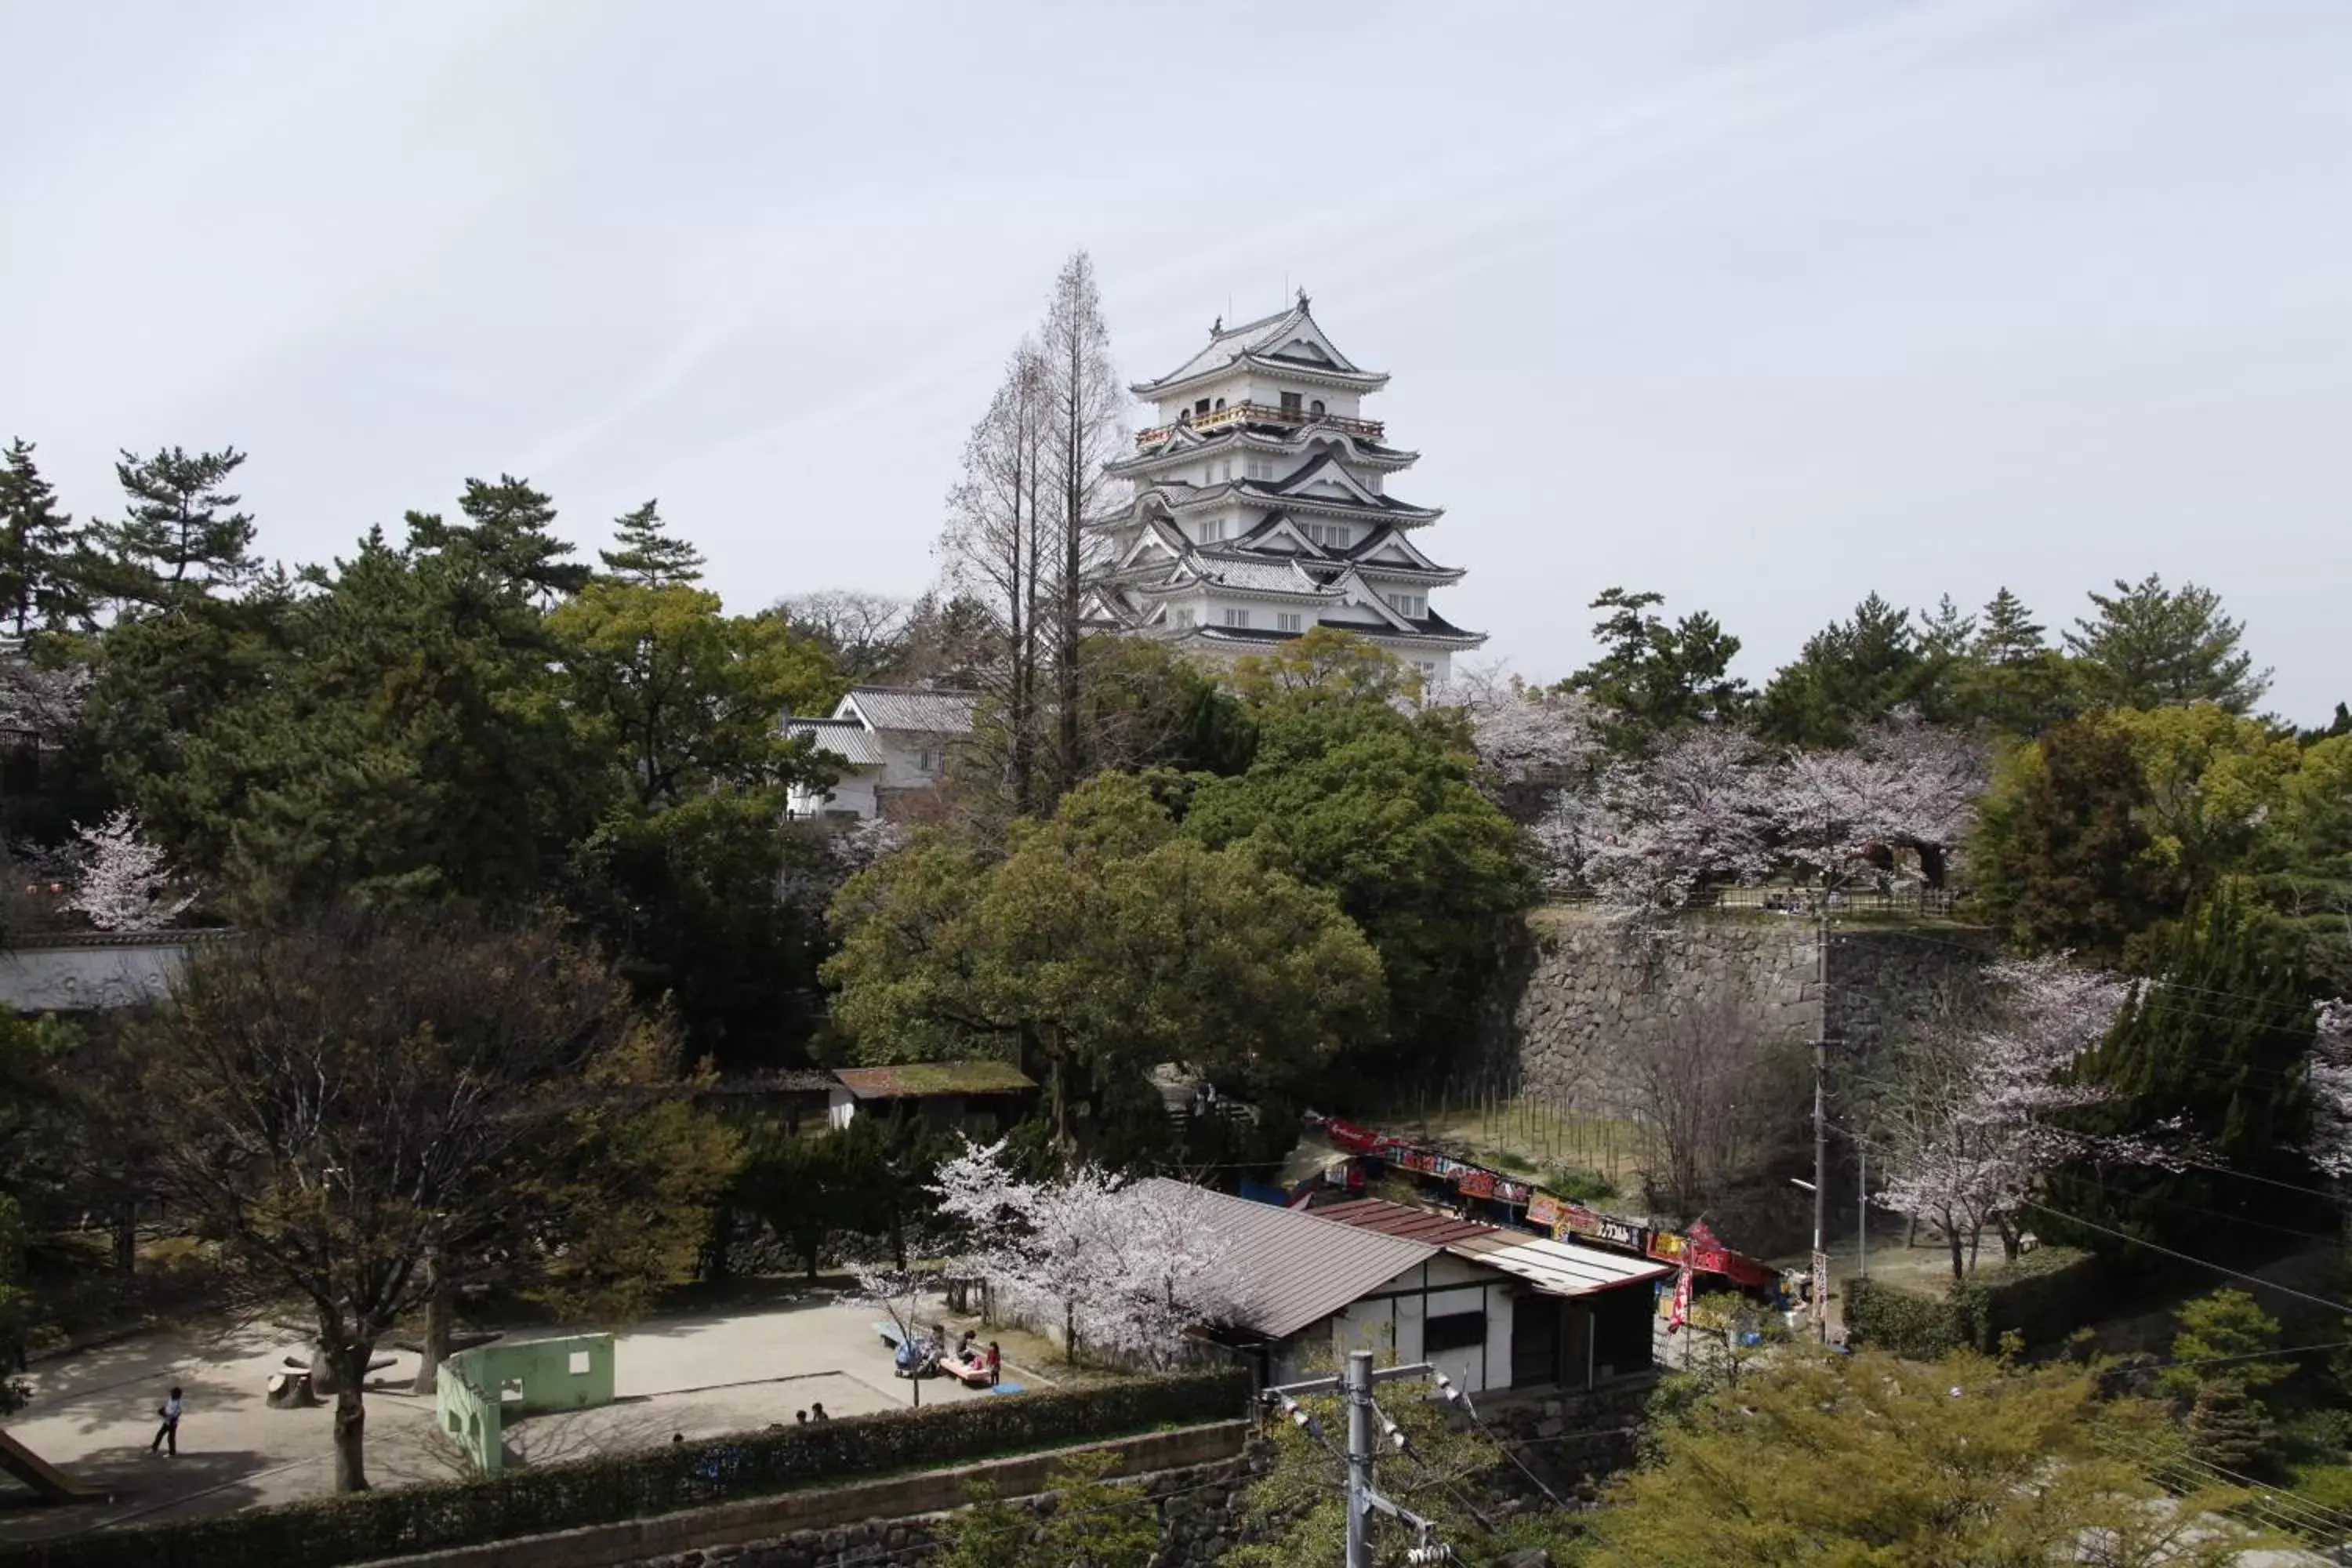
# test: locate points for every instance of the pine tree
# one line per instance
(1850, 674)
(2228, 1427)
(2153, 646)
(648, 554)
(2011, 678)
(181, 535)
(508, 537)
(2212, 1051)
(41, 566)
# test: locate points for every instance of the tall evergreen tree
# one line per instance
(2062, 851)
(2212, 1051)
(508, 534)
(2011, 678)
(42, 573)
(181, 536)
(649, 555)
(1851, 673)
(1655, 678)
(2153, 646)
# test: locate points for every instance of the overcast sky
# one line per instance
(1761, 306)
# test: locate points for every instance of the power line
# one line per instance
(2186, 1257)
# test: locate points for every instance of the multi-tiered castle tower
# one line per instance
(1261, 509)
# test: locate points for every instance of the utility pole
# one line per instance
(1822, 1122)
(1363, 1500)
(1861, 1212)
(1359, 1457)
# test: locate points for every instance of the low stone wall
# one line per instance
(1573, 1437)
(1201, 1518)
(820, 1529)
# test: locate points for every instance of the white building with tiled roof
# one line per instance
(884, 742)
(1260, 507)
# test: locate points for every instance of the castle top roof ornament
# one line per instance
(1217, 326)
(1302, 295)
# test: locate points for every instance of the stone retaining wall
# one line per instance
(1599, 992)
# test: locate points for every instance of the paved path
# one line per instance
(705, 1376)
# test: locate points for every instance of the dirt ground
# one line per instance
(705, 1374)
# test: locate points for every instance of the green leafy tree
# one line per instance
(865, 1182)
(181, 534)
(1655, 678)
(1095, 1522)
(649, 555)
(412, 743)
(2062, 852)
(682, 873)
(2228, 1427)
(1350, 793)
(690, 697)
(2307, 868)
(1850, 674)
(44, 568)
(2223, 1336)
(2149, 647)
(1865, 1459)
(417, 1103)
(1103, 943)
(2211, 1052)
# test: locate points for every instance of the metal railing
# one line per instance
(1262, 414)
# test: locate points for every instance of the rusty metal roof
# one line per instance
(1557, 1267)
(912, 1080)
(1295, 1267)
(1399, 1219)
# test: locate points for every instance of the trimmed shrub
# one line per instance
(368, 1525)
(2041, 1297)
(1879, 1316)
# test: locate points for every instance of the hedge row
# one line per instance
(530, 1501)
(2041, 1297)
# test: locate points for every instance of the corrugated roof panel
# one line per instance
(1561, 1267)
(1295, 1267)
(924, 712)
(847, 739)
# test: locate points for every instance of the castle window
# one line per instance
(1212, 532)
(1199, 408)
(1413, 607)
(1284, 621)
(1316, 406)
(1290, 403)
(1221, 402)
(1237, 618)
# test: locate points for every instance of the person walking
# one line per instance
(168, 1412)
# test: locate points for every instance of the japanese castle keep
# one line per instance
(1261, 506)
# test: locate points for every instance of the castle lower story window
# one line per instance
(1286, 622)
(1237, 618)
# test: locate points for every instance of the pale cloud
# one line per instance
(1764, 307)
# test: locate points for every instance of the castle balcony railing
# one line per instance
(1262, 414)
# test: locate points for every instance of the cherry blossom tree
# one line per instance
(1904, 786)
(1964, 1120)
(1653, 830)
(1524, 737)
(1125, 1267)
(38, 702)
(123, 885)
(2331, 1089)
